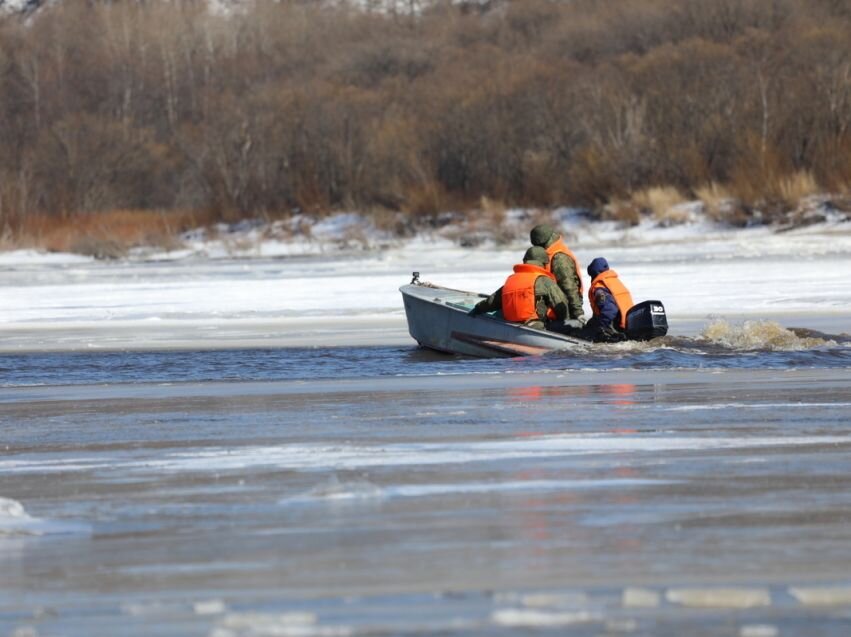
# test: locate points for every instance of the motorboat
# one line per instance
(439, 319)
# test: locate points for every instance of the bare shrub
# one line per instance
(590, 182)
(426, 199)
(376, 61)
(661, 202)
(717, 200)
(493, 211)
(492, 220)
(721, 206)
(626, 213)
(391, 221)
(541, 181)
(323, 106)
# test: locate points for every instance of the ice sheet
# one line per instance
(305, 457)
(698, 271)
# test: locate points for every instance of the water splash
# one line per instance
(334, 490)
(15, 521)
(759, 335)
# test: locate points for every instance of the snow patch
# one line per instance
(525, 618)
(342, 269)
(38, 257)
(276, 625)
(719, 597)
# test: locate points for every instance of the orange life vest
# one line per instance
(623, 299)
(561, 246)
(518, 293)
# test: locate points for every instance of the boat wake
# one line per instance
(721, 344)
(722, 336)
(766, 336)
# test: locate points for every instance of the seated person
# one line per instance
(610, 302)
(530, 295)
(564, 265)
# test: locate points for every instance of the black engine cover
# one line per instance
(646, 320)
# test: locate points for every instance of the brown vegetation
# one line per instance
(105, 235)
(314, 106)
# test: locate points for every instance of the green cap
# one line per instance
(536, 256)
(541, 234)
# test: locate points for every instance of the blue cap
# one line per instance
(596, 266)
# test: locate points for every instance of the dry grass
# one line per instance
(791, 189)
(625, 212)
(106, 235)
(718, 202)
(492, 211)
(780, 199)
(776, 198)
(391, 221)
(661, 202)
(425, 199)
(713, 195)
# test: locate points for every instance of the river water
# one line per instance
(695, 487)
(256, 448)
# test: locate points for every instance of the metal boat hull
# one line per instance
(438, 319)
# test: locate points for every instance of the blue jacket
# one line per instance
(602, 297)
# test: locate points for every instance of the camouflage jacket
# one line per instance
(565, 273)
(547, 295)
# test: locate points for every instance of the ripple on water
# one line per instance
(750, 345)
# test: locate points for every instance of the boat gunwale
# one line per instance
(562, 338)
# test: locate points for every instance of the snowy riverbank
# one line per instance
(338, 285)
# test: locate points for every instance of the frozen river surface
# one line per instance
(184, 452)
(646, 502)
(60, 303)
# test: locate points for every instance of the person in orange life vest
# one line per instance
(610, 302)
(565, 266)
(530, 295)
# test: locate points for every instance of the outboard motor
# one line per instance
(646, 320)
